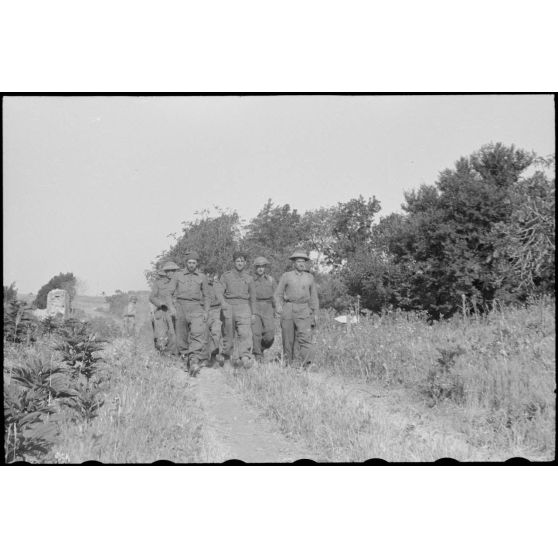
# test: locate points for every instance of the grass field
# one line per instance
(392, 387)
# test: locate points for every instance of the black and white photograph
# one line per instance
(337, 278)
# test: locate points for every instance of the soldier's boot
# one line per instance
(226, 362)
(220, 359)
(195, 366)
(258, 358)
(237, 363)
(247, 362)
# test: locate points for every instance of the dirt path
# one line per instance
(239, 429)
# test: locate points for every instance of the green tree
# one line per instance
(525, 245)
(66, 281)
(213, 238)
(448, 235)
(274, 233)
(351, 227)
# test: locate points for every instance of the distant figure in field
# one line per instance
(296, 301)
(164, 314)
(130, 316)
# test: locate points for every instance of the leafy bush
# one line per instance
(442, 382)
(19, 326)
(27, 435)
(78, 347)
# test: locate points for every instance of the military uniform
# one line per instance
(130, 318)
(164, 315)
(263, 328)
(238, 298)
(296, 298)
(189, 290)
(214, 324)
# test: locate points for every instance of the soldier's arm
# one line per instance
(273, 288)
(314, 302)
(221, 286)
(252, 294)
(205, 294)
(172, 291)
(278, 296)
(154, 296)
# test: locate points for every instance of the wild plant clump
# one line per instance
(40, 391)
(19, 326)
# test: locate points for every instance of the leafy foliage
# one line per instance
(19, 326)
(27, 435)
(213, 238)
(447, 237)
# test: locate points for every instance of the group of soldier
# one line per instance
(198, 317)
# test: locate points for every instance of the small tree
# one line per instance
(66, 281)
(213, 238)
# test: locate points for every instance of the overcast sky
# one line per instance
(94, 185)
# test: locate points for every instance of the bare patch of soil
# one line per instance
(239, 429)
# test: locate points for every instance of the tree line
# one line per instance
(484, 231)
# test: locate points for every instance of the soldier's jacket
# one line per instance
(298, 288)
(237, 286)
(214, 301)
(265, 287)
(190, 287)
(161, 293)
(130, 309)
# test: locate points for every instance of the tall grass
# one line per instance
(486, 383)
(149, 414)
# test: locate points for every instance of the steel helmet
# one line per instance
(260, 260)
(170, 266)
(299, 253)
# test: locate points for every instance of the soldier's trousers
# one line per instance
(238, 318)
(191, 330)
(263, 329)
(214, 331)
(296, 329)
(163, 331)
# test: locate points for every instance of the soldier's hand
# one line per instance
(313, 321)
(164, 307)
(253, 319)
(206, 317)
(278, 310)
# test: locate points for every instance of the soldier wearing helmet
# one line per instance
(238, 301)
(163, 316)
(129, 315)
(296, 300)
(263, 327)
(190, 291)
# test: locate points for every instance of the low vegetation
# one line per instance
(76, 391)
(400, 388)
